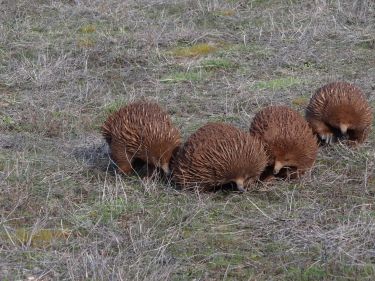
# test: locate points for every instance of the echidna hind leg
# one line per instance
(125, 168)
(120, 157)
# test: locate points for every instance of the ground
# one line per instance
(65, 214)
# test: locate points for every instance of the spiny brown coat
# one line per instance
(340, 109)
(289, 141)
(141, 131)
(219, 154)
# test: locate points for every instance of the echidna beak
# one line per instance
(165, 168)
(343, 128)
(278, 166)
(240, 185)
(240, 188)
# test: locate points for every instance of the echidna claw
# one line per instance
(327, 138)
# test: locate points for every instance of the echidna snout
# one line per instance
(240, 182)
(286, 161)
(277, 167)
(165, 168)
(344, 128)
(280, 164)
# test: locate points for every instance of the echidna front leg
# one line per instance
(120, 157)
(293, 173)
(327, 138)
(357, 136)
(267, 175)
(284, 173)
(322, 130)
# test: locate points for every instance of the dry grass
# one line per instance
(66, 215)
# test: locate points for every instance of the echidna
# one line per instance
(141, 131)
(339, 109)
(290, 143)
(218, 154)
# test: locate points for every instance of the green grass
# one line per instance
(38, 238)
(218, 64)
(7, 121)
(367, 44)
(114, 106)
(311, 273)
(188, 76)
(88, 28)
(201, 49)
(277, 84)
(252, 49)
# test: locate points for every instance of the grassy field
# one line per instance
(65, 214)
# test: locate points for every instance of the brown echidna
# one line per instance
(339, 109)
(141, 131)
(218, 154)
(290, 143)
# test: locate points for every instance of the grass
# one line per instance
(66, 213)
(194, 51)
(218, 64)
(187, 76)
(39, 238)
(277, 84)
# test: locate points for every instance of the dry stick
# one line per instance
(263, 213)
(9, 236)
